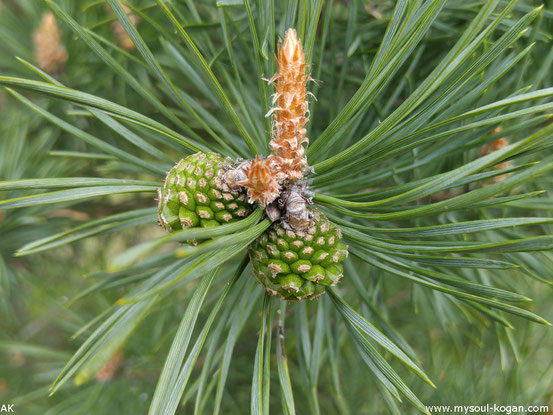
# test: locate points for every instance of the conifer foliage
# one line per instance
(429, 149)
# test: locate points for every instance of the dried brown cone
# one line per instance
(123, 39)
(290, 111)
(50, 53)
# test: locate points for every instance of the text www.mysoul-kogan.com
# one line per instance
(488, 409)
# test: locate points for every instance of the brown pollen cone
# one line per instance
(49, 51)
(289, 115)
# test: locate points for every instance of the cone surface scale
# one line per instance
(194, 194)
(297, 265)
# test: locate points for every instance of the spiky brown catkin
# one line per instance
(110, 368)
(290, 112)
(50, 53)
(123, 39)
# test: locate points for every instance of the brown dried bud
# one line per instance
(49, 51)
(123, 39)
(110, 368)
(3, 387)
(297, 216)
(234, 177)
(494, 146)
(273, 212)
(18, 358)
(445, 194)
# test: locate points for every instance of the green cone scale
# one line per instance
(194, 194)
(296, 265)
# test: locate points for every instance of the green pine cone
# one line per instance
(299, 265)
(194, 194)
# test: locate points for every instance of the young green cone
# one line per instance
(194, 194)
(297, 265)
